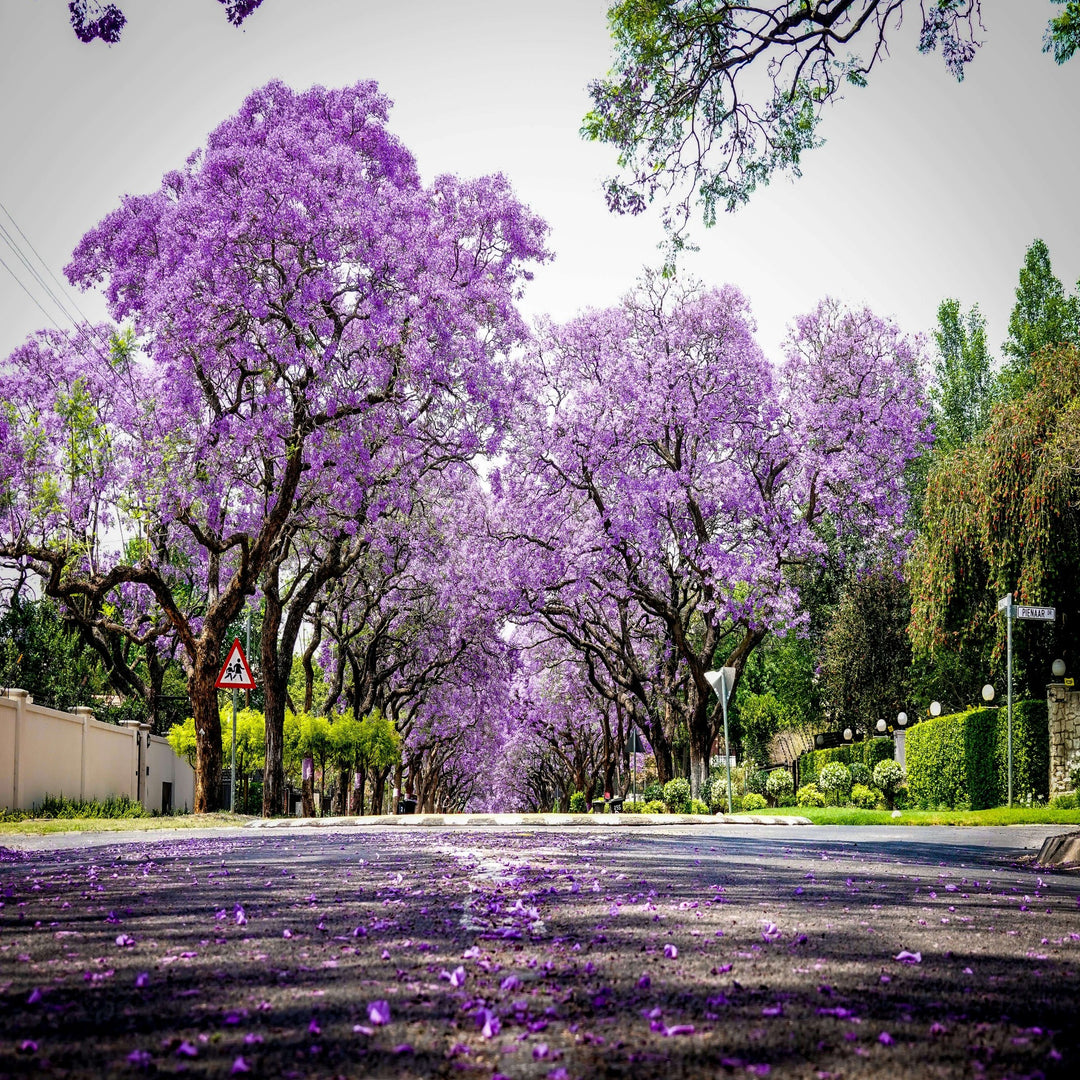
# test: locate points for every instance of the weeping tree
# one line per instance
(1002, 514)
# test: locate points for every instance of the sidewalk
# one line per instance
(509, 820)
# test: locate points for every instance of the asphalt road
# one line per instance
(663, 952)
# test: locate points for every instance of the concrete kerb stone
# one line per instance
(1062, 851)
(513, 820)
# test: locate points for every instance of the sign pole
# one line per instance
(1019, 611)
(232, 770)
(719, 681)
(1008, 654)
(235, 675)
(727, 745)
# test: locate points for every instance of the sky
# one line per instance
(924, 189)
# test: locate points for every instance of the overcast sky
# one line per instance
(924, 188)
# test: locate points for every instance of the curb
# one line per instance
(605, 821)
(1061, 851)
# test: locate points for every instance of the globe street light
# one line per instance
(901, 719)
(881, 726)
(847, 734)
(988, 693)
(1058, 668)
(935, 708)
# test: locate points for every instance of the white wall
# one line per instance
(47, 752)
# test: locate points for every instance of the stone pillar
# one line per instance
(21, 698)
(1063, 708)
(85, 713)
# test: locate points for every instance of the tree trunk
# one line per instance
(307, 782)
(204, 708)
(341, 793)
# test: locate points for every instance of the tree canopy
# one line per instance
(311, 324)
(98, 20)
(708, 99)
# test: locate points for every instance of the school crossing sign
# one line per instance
(236, 675)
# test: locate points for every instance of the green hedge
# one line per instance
(962, 759)
(869, 752)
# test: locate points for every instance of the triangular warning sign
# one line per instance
(236, 675)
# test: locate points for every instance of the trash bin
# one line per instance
(598, 806)
(616, 804)
(407, 805)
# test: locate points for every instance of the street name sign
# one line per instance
(1044, 614)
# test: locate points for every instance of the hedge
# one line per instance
(962, 759)
(869, 753)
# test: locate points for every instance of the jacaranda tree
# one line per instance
(670, 485)
(299, 298)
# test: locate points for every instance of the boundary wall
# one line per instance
(1063, 707)
(48, 752)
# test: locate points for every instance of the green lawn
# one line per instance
(1001, 815)
(43, 826)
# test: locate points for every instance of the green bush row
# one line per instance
(960, 760)
(58, 806)
(868, 753)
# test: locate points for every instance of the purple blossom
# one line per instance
(905, 957)
(379, 1012)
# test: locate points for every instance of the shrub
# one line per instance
(780, 786)
(962, 758)
(863, 796)
(835, 781)
(718, 795)
(114, 806)
(578, 804)
(653, 806)
(1072, 770)
(756, 781)
(753, 801)
(698, 807)
(653, 792)
(869, 753)
(809, 795)
(860, 773)
(1066, 802)
(888, 776)
(677, 796)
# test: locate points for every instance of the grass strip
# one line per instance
(1000, 815)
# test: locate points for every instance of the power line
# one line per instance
(18, 281)
(100, 344)
(48, 269)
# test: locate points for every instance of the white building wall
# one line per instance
(48, 752)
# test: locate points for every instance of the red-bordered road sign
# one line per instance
(235, 674)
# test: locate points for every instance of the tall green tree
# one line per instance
(40, 652)
(1044, 315)
(866, 662)
(963, 387)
